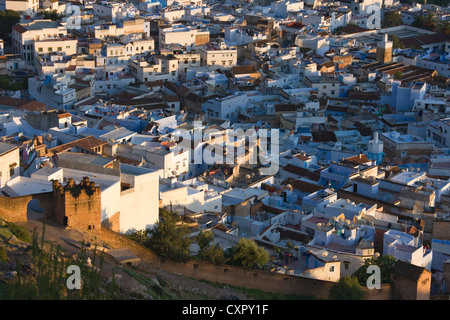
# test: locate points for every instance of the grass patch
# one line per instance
(156, 291)
(3, 255)
(258, 294)
(20, 232)
(3, 291)
(5, 233)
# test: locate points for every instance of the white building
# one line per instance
(156, 68)
(53, 90)
(192, 195)
(122, 190)
(439, 132)
(238, 36)
(25, 7)
(221, 56)
(406, 247)
(9, 162)
(375, 149)
(25, 34)
(184, 35)
(226, 108)
(63, 45)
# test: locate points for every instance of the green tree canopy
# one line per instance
(347, 288)
(248, 254)
(396, 42)
(51, 14)
(427, 22)
(8, 19)
(392, 19)
(204, 238)
(444, 27)
(168, 239)
(214, 254)
(384, 262)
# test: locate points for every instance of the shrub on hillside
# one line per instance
(20, 232)
(3, 256)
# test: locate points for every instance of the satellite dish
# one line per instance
(325, 254)
(335, 257)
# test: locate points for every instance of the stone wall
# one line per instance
(14, 209)
(77, 206)
(236, 276)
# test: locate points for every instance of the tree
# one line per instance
(347, 288)
(139, 236)
(169, 240)
(51, 14)
(384, 262)
(444, 27)
(8, 19)
(214, 254)
(392, 19)
(398, 75)
(396, 42)
(248, 254)
(204, 238)
(427, 22)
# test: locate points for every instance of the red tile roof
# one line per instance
(87, 143)
(19, 28)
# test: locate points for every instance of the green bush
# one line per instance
(347, 288)
(20, 232)
(3, 256)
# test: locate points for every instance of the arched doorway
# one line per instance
(34, 210)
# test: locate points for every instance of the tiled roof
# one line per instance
(361, 159)
(303, 186)
(87, 143)
(64, 115)
(19, 28)
(244, 69)
(323, 136)
(407, 270)
(302, 172)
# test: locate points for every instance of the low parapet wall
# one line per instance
(236, 276)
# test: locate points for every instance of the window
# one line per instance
(11, 169)
(40, 50)
(50, 49)
(332, 269)
(346, 264)
(59, 48)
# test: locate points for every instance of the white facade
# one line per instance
(161, 68)
(439, 132)
(180, 34)
(221, 58)
(24, 34)
(193, 197)
(9, 163)
(53, 90)
(66, 46)
(406, 247)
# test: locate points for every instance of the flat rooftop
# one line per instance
(22, 186)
